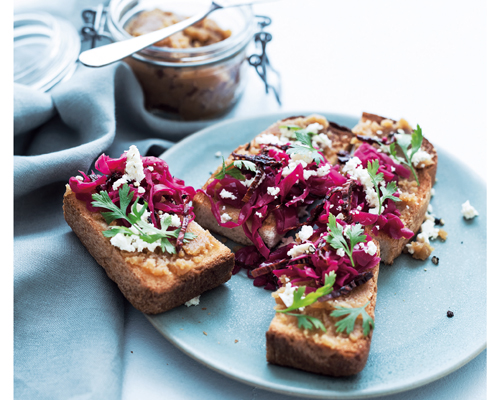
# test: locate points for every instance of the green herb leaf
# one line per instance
(336, 235)
(309, 299)
(244, 164)
(347, 324)
(222, 172)
(142, 229)
(404, 141)
(303, 146)
(388, 191)
(416, 140)
(307, 322)
(235, 173)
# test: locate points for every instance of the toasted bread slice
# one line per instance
(415, 199)
(152, 282)
(340, 138)
(328, 353)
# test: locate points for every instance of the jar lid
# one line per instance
(46, 49)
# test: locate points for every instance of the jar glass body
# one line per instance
(195, 83)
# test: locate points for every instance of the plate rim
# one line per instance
(280, 388)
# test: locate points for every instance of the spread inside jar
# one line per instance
(203, 33)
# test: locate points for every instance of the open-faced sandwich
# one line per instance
(136, 220)
(365, 194)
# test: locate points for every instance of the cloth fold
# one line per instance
(68, 315)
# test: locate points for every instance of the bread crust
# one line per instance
(331, 353)
(148, 292)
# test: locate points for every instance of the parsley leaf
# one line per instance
(336, 238)
(404, 141)
(140, 228)
(306, 321)
(303, 146)
(347, 324)
(388, 191)
(249, 165)
(232, 171)
(299, 302)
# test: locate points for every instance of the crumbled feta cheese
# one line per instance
(227, 195)
(287, 295)
(287, 132)
(401, 132)
(340, 252)
(429, 209)
(136, 184)
(133, 167)
(269, 138)
(307, 158)
(299, 249)
(322, 141)
(410, 248)
(309, 173)
(420, 158)
(468, 211)
(258, 214)
(433, 192)
(305, 233)
(119, 182)
(314, 127)
(324, 170)
(379, 132)
(151, 168)
(141, 190)
(428, 230)
(273, 191)
(291, 167)
(80, 178)
(370, 248)
(225, 218)
(218, 154)
(175, 221)
(340, 216)
(193, 302)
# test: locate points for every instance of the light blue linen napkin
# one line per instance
(68, 316)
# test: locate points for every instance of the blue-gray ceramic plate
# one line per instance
(414, 341)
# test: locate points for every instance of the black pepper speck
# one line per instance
(450, 314)
(435, 260)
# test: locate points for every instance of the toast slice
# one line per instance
(328, 349)
(153, 279)
(335, 139)
(415, 199)
(327, 353)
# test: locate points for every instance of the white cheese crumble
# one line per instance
(287, 295)
(225, 218)
(141, 190)
(218, 154)
(297, 250)
(420, 159)
(227, 195)
(369, 248)
(193, 302)
(314, 127)
(309, 173)
(273, 191)
(151, 168)
(321, 141)
(258, 214)
(305, 233)
(340, 252)
(175, 220)
(428, 229)
(80, 178)
(134, 170)
(340, 216)
(269, 138)
(433, 192)
(468, 211)
(324, 170)
(291, 167)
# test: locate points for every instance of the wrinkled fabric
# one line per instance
(68, 315)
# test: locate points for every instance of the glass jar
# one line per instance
(188, 84)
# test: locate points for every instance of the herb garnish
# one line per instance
(387, 191)
(233, 169)
(141, 228)
(335, 237)
(306, 321)
(305, 147)
(404, 141)
(347, 324)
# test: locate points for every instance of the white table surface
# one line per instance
(424, 61)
